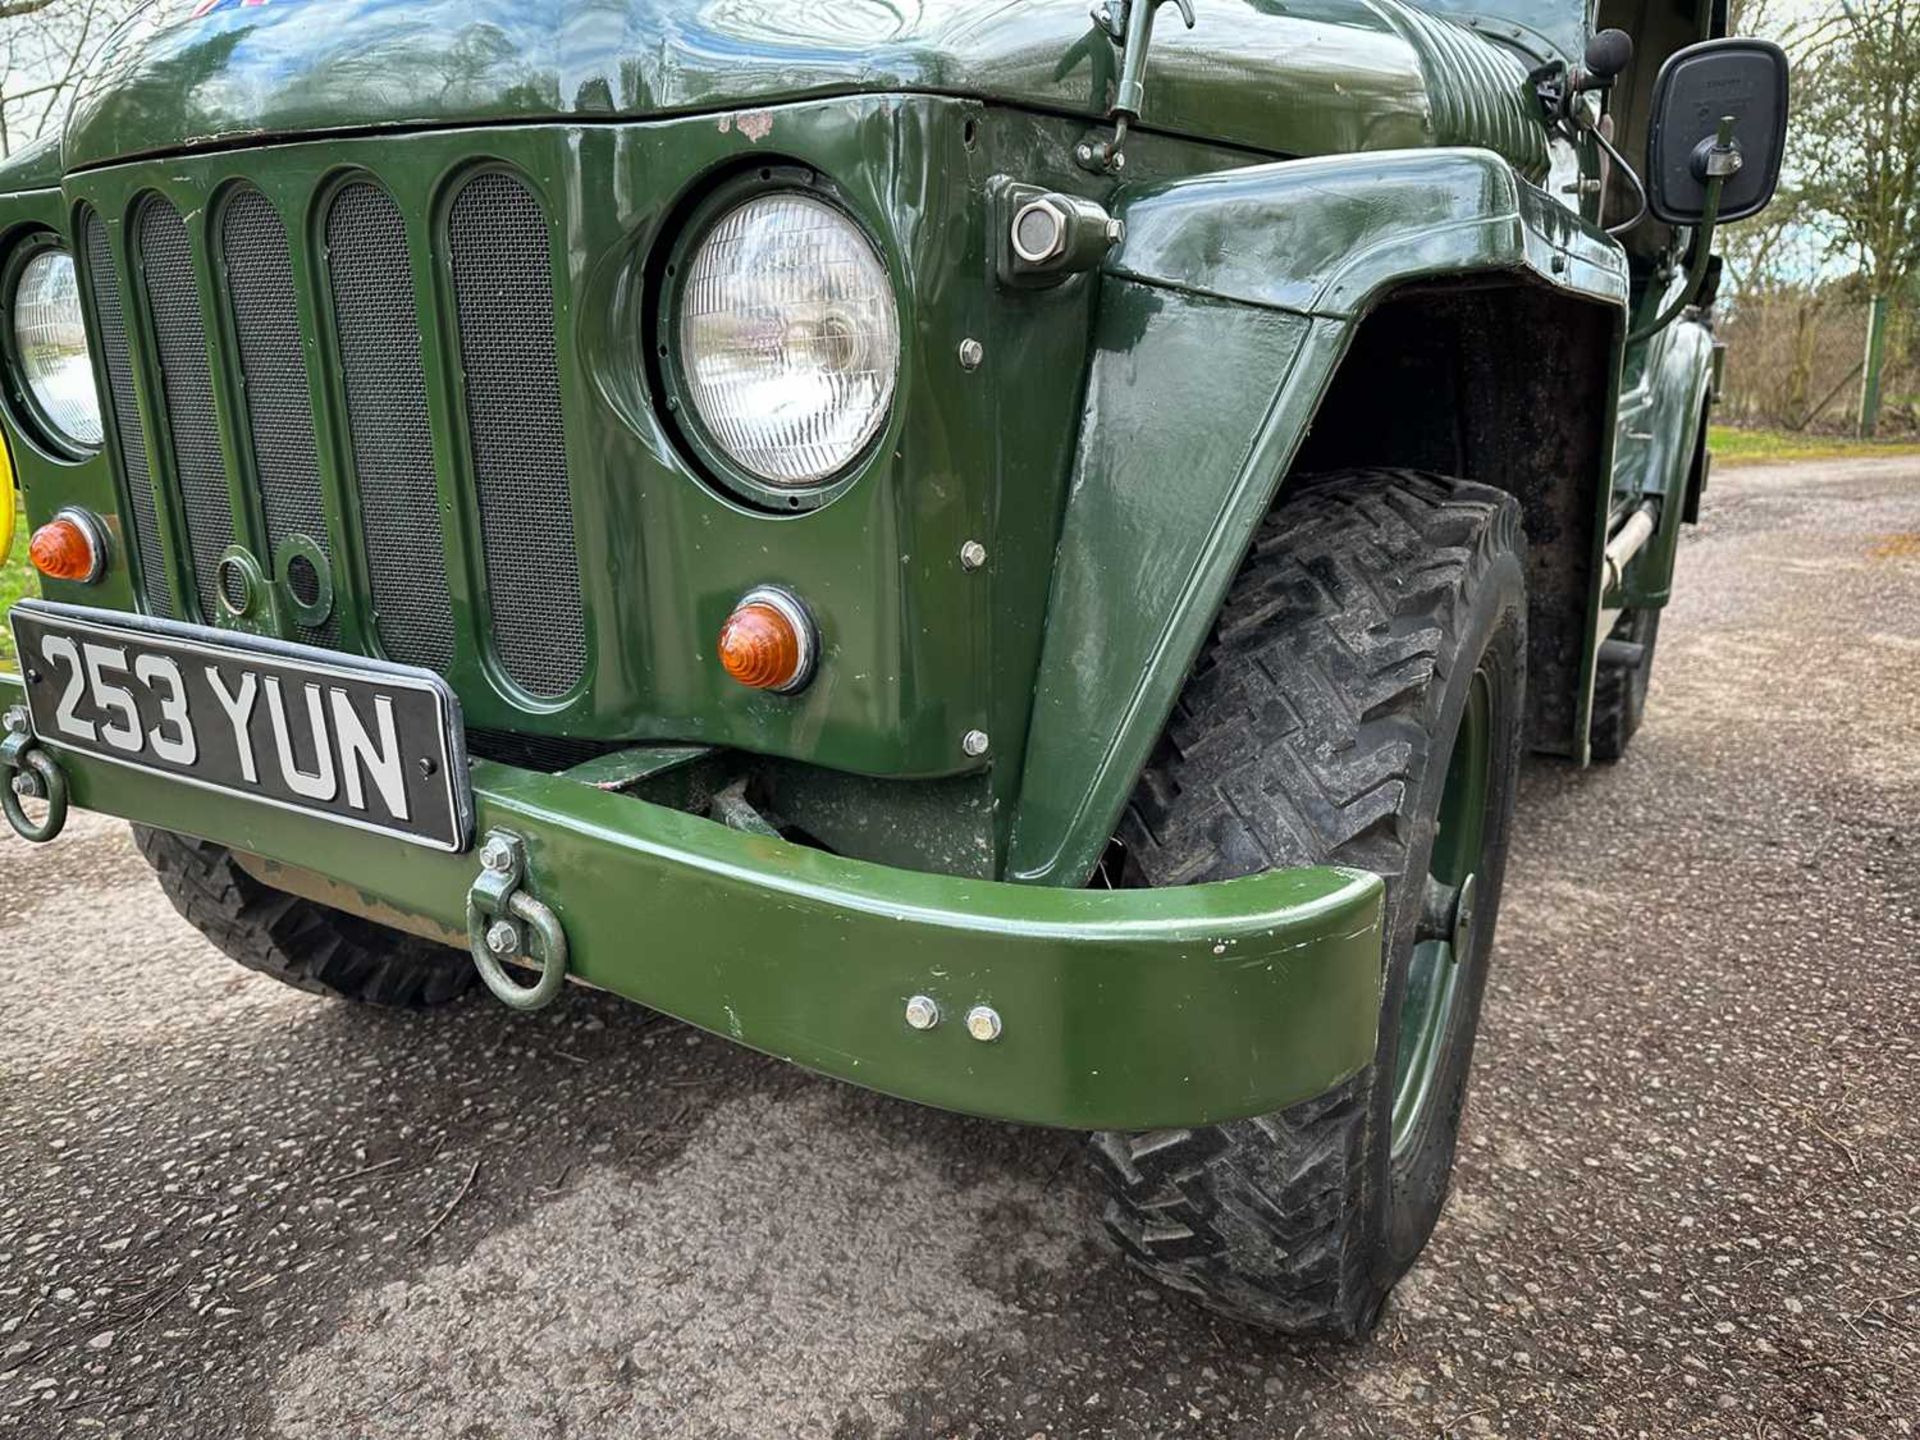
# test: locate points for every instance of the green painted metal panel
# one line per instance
(1659, 425)
(1294, 79)
(665, 553)
(1222, 321)
(1326, 236)
(1121, 1009)
(48, 478)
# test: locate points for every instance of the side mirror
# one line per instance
(1699, 87)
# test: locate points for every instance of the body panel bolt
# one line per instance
(496, 855)
(983, 1023)
(972, 352)
(503, 938)
(973, 555)
(975, 742)
(922, 1012)
(27, 786)
(16, 721)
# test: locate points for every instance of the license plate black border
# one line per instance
(208, 639)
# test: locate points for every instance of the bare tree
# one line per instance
(44, 49)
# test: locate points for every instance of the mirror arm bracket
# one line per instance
(1716, 161)
(1129, 25)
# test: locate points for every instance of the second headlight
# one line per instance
(789, 338)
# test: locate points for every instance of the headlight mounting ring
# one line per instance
(24, 407)
(675, 387)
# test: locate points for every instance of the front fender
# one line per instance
(1223, 317)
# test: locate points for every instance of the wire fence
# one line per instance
(1795, 362)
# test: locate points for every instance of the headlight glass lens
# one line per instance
(789, 338)
(50, 337)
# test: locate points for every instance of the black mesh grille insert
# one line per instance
(266, 318)
(503, 283)
(180, 336)
(126, 414)
(379, 334)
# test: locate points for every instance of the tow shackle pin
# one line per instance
(35, 775)
(502, 917)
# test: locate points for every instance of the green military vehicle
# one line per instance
(1005, 556)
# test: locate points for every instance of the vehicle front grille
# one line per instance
(503, 280)
(386, 385)
(266, 323)
(180, 337)
(110, 316)
(310, 408)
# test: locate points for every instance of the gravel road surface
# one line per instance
(1687, 1203)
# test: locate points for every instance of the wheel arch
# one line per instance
(1240, 307)
(1534, 420)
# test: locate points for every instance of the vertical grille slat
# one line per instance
(503, 289)
(180, 335)
(266, 320)
(378, 330)
(118, 358)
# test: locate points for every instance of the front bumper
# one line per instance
(1132, 1009)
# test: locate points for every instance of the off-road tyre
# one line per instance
(1620, 691)
(1316, 728)
(299, 942)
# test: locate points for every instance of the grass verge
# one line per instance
(1750, 447)
(17, 582)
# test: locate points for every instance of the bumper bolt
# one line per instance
(16, 721)
(496, 856)
(972, 555)
(27, 786)
(983, 1023)
(922, 1012)
(975, 742)
(503, 938)
(972, 352)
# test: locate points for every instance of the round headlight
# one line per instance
(789, 338)
(50, 339)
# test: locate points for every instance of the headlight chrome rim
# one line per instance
(715, 462)
(36, 415)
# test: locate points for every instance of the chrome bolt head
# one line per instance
(1116, 231)
(16, 721)
(922, 1012)
(497, 855)
(973, 555)
(983, 1023)
(503, 938)
(1039, 232)
(975, 743)
(972, 353)
(27, 785)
